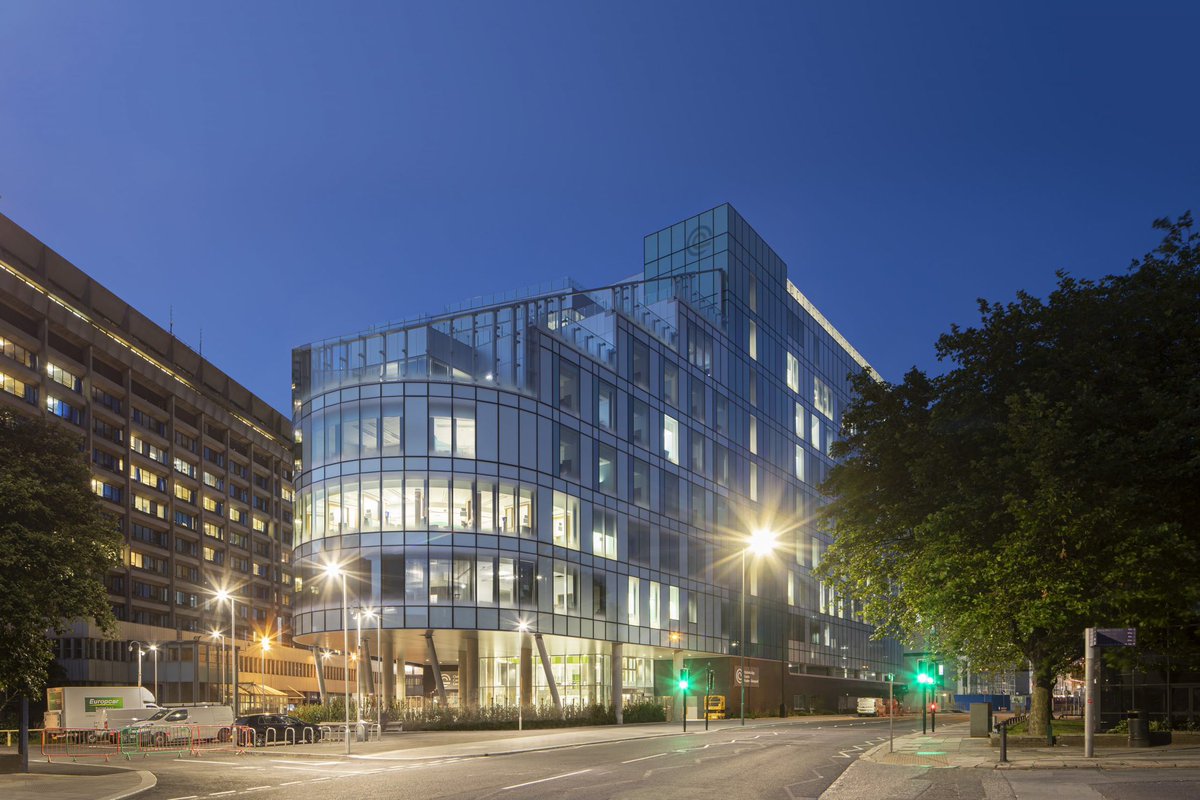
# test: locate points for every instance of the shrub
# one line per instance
(645, 711)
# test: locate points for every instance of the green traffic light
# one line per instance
(924, 678)
(683, 685)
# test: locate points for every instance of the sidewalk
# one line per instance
(73, 782)
(952, 746)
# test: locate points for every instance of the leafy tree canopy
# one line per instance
(55, 547)
(1047, 482)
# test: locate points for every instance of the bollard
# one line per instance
(1003, 743)
(1050, 732)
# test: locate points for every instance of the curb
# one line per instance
(146, 781)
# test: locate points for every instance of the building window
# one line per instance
(565, 520)
(568, 453)
(799, 421)
(63, 377)
(800, 463)
(753, 340)
(822, 397)
(641, 483)
(633, 602)
(604, 533)
(568, 387)
(671, 438)
(606, 468)
(641, 423)
(655, 600)
(754, 434)
(606, 405)
(464, 429)
(698, 405)
(64, 410)
(793, 373)
(641, 365)
(566, 587)
(673, 604)
(671, 383)
(441, 427)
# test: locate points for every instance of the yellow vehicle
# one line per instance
(715, 706)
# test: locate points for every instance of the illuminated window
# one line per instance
(753, 341)
(633, 602)
(565, 520)
(673, 604)
(671, 438)
(793, 373)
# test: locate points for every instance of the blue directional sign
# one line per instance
(1114, 637)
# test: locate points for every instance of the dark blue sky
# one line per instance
(281, 173)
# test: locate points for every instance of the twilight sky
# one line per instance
(279, 173)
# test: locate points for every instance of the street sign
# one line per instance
(1113, 637)
(751, 676)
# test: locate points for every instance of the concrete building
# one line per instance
(191, 466)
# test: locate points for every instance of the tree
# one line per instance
(1045, 483)
(56, 545)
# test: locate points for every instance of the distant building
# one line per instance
(193, 468)
(549, 492)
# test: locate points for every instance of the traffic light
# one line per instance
(683, 679)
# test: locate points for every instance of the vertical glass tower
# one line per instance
(552, 491)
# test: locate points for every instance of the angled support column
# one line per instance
(387, 674)
(437, 667)
(541, 645)
(316, 651)
(618, 675)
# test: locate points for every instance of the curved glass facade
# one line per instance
(586, 464)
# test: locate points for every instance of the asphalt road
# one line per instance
(793, 760)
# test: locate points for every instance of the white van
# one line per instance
(173, 725)
(870, 706)
(84, 706)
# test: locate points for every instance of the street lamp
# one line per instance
(523, 627)
(154, 650)
(140, 654)
(221, 663)
(760, 543)
(262, 667)
(222, 596)
(334, 571)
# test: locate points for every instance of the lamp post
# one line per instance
(358, 676)
(220, 664)
(154, 650)
(262, 667)
(760, 543)
(222, 596)
(140, 654)
(334, 571)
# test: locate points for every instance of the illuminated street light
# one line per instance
(760, 543)
(333, 571)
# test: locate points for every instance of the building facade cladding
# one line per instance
(589, 464)
(193, 468)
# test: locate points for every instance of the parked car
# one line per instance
(169, 726)
(278, 728)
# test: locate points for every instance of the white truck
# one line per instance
(870, 706)
(88, 706)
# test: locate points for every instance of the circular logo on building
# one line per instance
(697, 243)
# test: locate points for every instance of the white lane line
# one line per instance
(218, 794)
(543, 780)
(186, 797)
(255, 788)
(290, 783)
(206, 761)
(643, 758)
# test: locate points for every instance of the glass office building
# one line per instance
(549, 493)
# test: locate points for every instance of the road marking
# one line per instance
(543, 780)
(643, 758)
(290, 783)
(206, 761)
(292, 761)
(186, 797)
(255, 788)
(218, 794)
